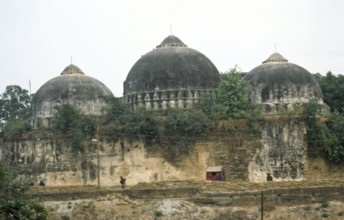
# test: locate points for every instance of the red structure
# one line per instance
(216, 173)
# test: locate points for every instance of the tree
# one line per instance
(336, 127)
(333, 90)
(324, 138)
(328, 138)
(231, 93)
(15, 103)
(231, 101)
(15, 111)
(116, 110)
(65, 118)
(13, 203)
(69, 121)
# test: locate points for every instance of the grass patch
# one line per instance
(324, 203)
(325, 215)
(158, 213)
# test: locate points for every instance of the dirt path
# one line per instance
(203, 185)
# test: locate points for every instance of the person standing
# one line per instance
(122, 182)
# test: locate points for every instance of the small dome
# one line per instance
(172, 65)
(71, 87)
(278, 81)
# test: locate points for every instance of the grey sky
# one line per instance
(105, 38)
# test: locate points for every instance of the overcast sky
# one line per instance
(106, 37)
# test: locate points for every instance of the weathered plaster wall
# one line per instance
(233, 151)
(283, 153)
(48, 158)
(278, 150)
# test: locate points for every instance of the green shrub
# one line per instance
(76, 126)
(324, 138)
(324, 203)
(158, 213)
(65, 217)
(325, 215)
(13, 203)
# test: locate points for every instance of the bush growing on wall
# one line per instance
(121, 121)
(76, 126)
(187, 122)
(173, 129)
(324, 138)
(181, 129)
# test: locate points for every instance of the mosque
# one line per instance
(173, 76)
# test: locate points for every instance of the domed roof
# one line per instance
(172, 65)
(277, 80)
(72, 87)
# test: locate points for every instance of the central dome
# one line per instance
(172, 65)
(172, 75)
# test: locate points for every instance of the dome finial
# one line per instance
(275, 58)
(172, 41)
(71, 70)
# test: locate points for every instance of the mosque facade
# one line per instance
(173, 76)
